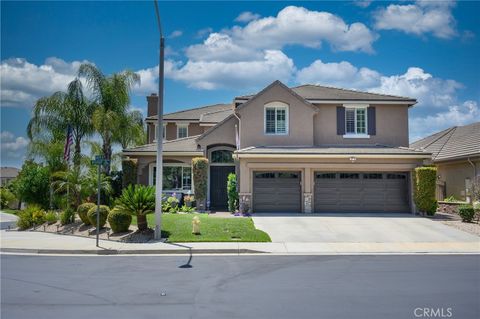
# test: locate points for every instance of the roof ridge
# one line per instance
(351, 90)
(180, 139)
(448, 130)
(446, 142)
(194, 108)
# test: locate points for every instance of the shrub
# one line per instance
(451, 199)
(188, 200)
(172, 203)
(82, 212)
(6, 197)
(38, 217)
(30, 216)
(187, 209)
(33, 184)
(466, 212)
(200, 176)
(92, 215)
(51, 217)
(232, 192)
(129, 172)
(67, 216)
(119, 220)
(424, 189)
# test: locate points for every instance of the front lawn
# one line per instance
(178, 228)
(11, 211)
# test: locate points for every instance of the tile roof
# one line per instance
(195, 113)
(215, 117)
(452, 143)
(319, 92)
(9, 172)
(187, 144)
(333, 149)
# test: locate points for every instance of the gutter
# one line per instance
(347, 156)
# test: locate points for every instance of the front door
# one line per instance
(218, 186)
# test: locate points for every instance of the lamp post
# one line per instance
(159, 168)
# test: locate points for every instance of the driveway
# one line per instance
(357, 228)
(7, 220)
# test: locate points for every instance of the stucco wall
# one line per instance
(391, 126)
(454, 175)
(193, 129)
(300, 124)
(223, 134)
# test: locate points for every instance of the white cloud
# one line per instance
(247, 16)
(433, 17)
(456, 115)
(22, 82)
(202, 32)
(362, 4)
(243, 75)
(176, 34)
(12, 147)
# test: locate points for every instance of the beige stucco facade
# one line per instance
(454, 178)
(194, 129)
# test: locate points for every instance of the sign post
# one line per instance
(99, 161)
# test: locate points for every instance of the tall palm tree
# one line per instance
(112, 94)
(132, 131)
(53, 114)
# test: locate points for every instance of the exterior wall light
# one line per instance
(353, 159)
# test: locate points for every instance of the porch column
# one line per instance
(245, 193)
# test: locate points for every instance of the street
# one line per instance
(240, 286)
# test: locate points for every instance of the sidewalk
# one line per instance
(48, 243)
(7, 220)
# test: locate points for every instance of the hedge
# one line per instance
(467, 213)
(119, 220)
(200, 177)
(82, 212)
(424, 189)
(92, 215)
(232, 192)
(129, 169)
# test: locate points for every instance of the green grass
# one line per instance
(178, 228)
(11, 211)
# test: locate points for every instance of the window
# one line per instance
(356, 121)
(288, 175)
(373, 176)
(396, 176)
(326, 175)
(276, 118)
(349, 175)
(164, 132)
(264, 175)
(222, 156)
(182, 130)
(175, 178)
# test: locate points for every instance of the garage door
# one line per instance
(276, 192)
(361, 192)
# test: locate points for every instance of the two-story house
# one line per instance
(304, 149)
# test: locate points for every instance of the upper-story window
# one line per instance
(164, 132)
(276, 118)
(182, 130)
(356, 121)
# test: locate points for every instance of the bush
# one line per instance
(200, 177)
(32, 215)
(92, 215)
(138, 200)
(6, 197)
(119, 220)
(467, 213)
(82, 212)
(32, 184)
(424, 189)
(451, 199)
(172, 204)
(232, 192)
(51, 217)
(67, 216)
(187, 209)
(129, 172)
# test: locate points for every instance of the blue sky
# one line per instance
(427, 50)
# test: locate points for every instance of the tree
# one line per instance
(132, 131)
(53, 114)
(6, 197)
(112, 95)
(138, 200)
(32, 185)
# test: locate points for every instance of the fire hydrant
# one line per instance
(196, 225)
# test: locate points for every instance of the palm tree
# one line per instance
(112, 94)
(132, 131)
(53, 114)
(138, 200)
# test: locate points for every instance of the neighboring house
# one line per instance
(304, 149)
(456, 154)
(7, 174)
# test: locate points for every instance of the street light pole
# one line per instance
(159, 168)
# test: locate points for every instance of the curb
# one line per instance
(129, 251)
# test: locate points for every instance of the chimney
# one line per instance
(152, 100)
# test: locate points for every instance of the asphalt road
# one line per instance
(240, 287)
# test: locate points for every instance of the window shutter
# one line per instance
(340, 120)
(372, 122)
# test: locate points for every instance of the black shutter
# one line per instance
(372, 122)
(340, 120)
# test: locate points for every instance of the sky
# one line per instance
(215, 51)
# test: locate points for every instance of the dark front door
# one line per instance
(218, 186)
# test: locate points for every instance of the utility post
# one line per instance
(99, 161)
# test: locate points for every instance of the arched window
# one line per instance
(222, 156)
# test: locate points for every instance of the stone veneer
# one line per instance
(245, 202)
(307, 202)
(449, 207)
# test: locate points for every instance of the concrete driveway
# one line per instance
(357, 228)
(7, 220)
